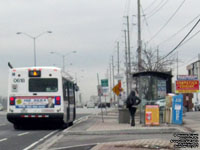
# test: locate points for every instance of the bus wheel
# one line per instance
(16, 126)
(71, 123)
(63, 125)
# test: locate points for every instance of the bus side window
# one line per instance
(71, 93)
(65, 89)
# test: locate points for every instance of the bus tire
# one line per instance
(17, 126)
(71, 123)
(63, 125)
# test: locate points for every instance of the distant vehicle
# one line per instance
(79, 106)
(90, 105)
(40, 94)
(197, 106)
(1, 107)
(161, 103)
(102, 105)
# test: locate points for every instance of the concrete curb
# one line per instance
(128, 131)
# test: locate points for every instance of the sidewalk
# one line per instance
(110, 135)
(111, 124)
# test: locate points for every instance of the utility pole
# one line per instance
(126, 61)
(157, 64)
(139, 53)
(118, 70)
(129, 56)
(113, 73)
(110, 83)
(139, 39)
(177, 64)
(118, 57)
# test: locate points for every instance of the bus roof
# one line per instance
(37, 68)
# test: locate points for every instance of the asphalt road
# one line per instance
(11, 139)
(193, 115)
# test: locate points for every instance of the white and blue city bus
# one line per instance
(40, 94)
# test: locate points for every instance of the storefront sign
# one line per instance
(187, 86)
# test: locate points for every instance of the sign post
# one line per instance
(100, 94)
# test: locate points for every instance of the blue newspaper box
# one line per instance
(177, 109)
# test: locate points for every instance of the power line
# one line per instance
(161, 2)
(182, 40)
(180, 30)
(168, 20)
(191, 38)
(158, 9)
(145, 20)
(150, 5)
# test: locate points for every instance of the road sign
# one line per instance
(117, 89)
(104, 82)
(187, 77)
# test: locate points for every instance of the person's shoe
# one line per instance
(132, 124)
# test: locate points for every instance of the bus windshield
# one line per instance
(43, 85)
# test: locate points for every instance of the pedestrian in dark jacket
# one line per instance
(131, 103)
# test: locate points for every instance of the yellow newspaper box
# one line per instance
(152, 115)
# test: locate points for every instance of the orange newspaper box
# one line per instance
(152, 115)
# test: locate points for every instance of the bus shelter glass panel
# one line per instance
(152, 90)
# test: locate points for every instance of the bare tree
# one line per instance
(151, 61)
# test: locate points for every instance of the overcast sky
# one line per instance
(90, 27)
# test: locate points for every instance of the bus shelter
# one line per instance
(152, 88)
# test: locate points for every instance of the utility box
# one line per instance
(124, 115)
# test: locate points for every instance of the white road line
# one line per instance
(3, 139)
(29, 147)
(23, 133)
(2, 124)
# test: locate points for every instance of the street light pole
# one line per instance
(63, 57)
(34, 48)
(34, 42)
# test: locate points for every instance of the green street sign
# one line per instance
(104, 82)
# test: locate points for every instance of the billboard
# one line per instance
(187, 86)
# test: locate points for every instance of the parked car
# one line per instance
(197, 106)
(161, 103)
(90, 105)
(102, 105)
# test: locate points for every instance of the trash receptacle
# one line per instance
(124, 115)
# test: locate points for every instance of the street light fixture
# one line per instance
(34, 41)
(63, 56)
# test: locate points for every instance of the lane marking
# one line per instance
(32, 145)
(23, 133)
(3, 139)
(2, 124)
(49, 142)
